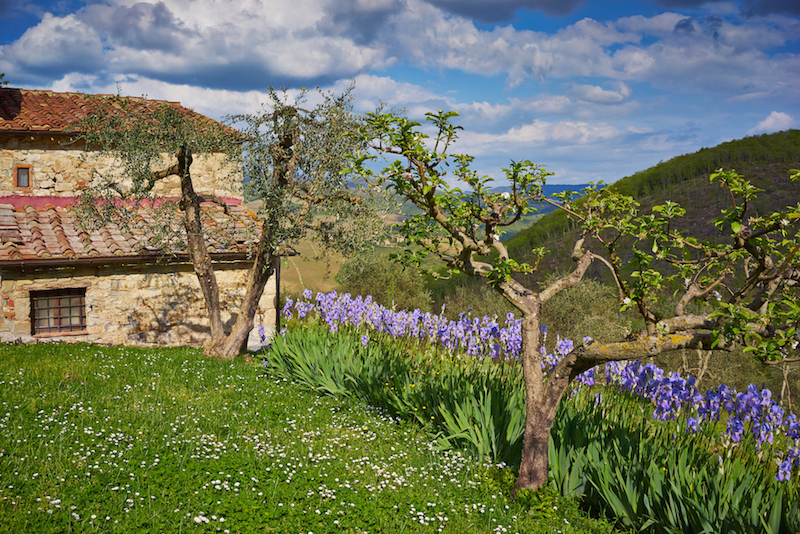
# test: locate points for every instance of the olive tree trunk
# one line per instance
(223, 344)
(229, 346)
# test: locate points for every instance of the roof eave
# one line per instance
(116, 260)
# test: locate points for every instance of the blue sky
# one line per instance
(593, 89)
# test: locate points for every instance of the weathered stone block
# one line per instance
(149, 303)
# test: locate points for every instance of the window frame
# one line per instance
(29, 168)
(40, 301)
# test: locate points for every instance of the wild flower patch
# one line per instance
(753, 411)
(482, 338)
(120, 440)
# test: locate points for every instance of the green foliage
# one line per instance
(3, 81)
(477, 300)
(145, 138)
(294, 161)
(292, 158)
(751, 275)
(779, 147)
(612, 456)
(699, 198)
(546, 504)
(589, 309)
(467, 403)
(388, 282)
(762, 159)
(121, 440)
(656, 476)
(139, 133)
(454, 225)
(757, 268)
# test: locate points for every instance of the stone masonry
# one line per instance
(133, 294)
(62, 169)
(131, 304)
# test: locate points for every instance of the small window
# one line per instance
(58, 311)
(22, 177)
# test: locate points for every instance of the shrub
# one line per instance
(467, 403)
(478, 300)
(388, 282)
(651, 450)
(656, 476)
(588, 309)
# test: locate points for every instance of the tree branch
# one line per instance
(583, 260)
(593, 353)
(694, 291)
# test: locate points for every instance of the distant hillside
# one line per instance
(548, 190)
(408, 209)
(764, 159)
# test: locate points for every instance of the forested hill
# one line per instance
(764, 159)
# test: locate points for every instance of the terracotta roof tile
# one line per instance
(47, 111)
(39, 232)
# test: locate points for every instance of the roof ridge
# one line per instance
(41, 110)
(50, 92)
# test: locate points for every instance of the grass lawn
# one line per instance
(97, 439)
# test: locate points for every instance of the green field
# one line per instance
(98, 439)
(311, 269)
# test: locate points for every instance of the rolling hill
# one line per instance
(764, 159)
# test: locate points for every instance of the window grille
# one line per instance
(58, 311)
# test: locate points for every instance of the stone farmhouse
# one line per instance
(61, 280)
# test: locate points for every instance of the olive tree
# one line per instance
(291, 158)
(743, 291)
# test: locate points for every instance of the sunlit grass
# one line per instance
(132, 440)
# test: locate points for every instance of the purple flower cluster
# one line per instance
(478, 337)
(562, 348)
(753, 411)
(473, 336)
(672, 396)
(262, 334)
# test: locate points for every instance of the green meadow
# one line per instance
(99, 439)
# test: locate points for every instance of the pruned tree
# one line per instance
(291, 158)
(744, 291)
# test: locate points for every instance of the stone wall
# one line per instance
(139, 304)
(62, 169)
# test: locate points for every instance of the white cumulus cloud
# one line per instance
(775, 122)
(593, 93)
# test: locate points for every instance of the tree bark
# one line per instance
(541, 404)
(196, 244)
(233, 344)
(225, 345)
(533, 465)
(541, 397)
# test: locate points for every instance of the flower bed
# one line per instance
(750, 442)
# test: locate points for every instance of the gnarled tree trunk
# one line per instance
(542, 398)
(229, 346)
(535, 442)
(226, 345)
